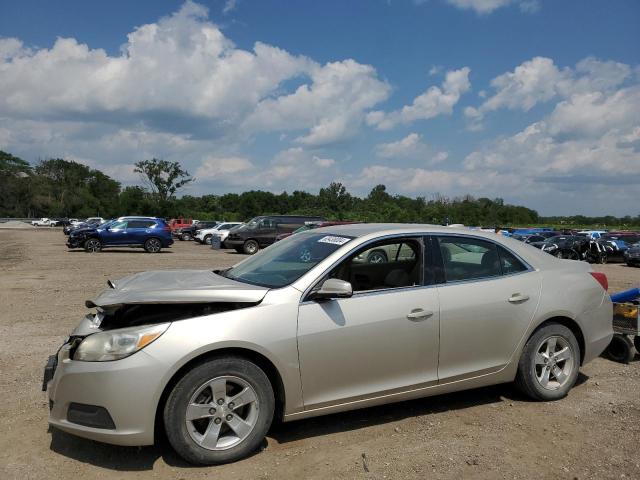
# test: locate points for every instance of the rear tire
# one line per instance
(219, 431)
(251, 247)
(92, 245)
(153, 245)
(549, 363)
(185, 237)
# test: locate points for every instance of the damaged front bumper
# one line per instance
(113, 402)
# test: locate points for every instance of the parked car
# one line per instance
(221, 230)
(91, 222)
(44, 222)
(176, 223)
(592, 234)
(632, 255)
(312, 225)
(189, 232)
(575, 247)
(616, 247)
(260, 232)
(151, 233)
(304, 329)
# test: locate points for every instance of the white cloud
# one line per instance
(229, 5)
(182, 74)
(332, 107)
(412, 147)
(435, 101)
(479, 6)
(220, 168)
(539, 80)
(594, 113)
(483, 7)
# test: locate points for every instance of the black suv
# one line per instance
(260, 232)
(188, 233)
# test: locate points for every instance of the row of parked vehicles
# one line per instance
(154, 233)
(593, 246)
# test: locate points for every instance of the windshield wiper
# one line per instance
(222, 273)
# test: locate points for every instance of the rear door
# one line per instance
(138, 230)
(488, 297)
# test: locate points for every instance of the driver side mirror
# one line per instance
(333, 288)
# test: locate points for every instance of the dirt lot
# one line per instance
(487, 433)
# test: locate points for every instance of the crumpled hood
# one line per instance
(82, 230)
(177, 286)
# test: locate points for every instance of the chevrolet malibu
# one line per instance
(309, 327)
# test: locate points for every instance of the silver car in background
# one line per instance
(309, 327)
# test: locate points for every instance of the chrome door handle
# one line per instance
(419, 314)
(518, 297)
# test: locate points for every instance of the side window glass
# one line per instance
(509, 262)
(387, 265)
(468, 258)
(119, 225)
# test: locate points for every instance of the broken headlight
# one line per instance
(117, 344)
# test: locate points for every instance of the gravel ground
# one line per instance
(486, 433)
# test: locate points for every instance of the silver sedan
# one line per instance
(310, 326)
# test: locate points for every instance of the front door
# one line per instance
(116, 234)
(382, 340)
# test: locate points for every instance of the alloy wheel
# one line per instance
(92, 246)
(153, 245)
(222, 413)
(554, 362)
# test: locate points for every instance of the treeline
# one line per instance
(62, 188)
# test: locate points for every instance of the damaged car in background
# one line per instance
(307, 328)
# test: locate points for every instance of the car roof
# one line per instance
(139, 218)
(363, 229)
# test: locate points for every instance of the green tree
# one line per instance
(163, 179)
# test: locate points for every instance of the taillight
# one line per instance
(601, 278)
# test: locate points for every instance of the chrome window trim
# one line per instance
(418, 236)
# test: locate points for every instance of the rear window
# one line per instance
(141, 224)
(509, 262)
(468, 258)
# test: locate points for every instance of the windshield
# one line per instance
(286, 261)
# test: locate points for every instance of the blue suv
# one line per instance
(151, 233)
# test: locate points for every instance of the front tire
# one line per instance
(251, 247)
(92, 245)
(377, 256)
(185, 237)
(220, 411)
(152, 245)
(549, 363)
(207, 239)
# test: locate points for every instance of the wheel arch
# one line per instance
(259, 359)
(571, 324)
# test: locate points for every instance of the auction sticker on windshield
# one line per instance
(334, 240)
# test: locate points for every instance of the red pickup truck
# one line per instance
(176, 223)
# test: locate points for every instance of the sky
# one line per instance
(533, 101)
